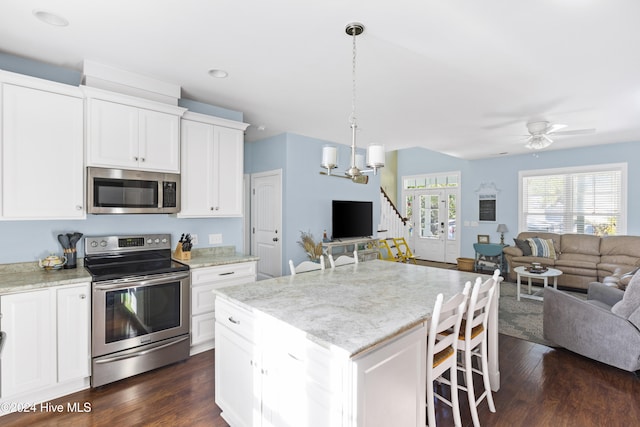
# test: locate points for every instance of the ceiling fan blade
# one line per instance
(555, 127)
(575, 132)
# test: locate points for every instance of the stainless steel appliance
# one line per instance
(140, 305)
(120, 191)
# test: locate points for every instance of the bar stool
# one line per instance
(305, 266)
(442, 350)
(472, 341)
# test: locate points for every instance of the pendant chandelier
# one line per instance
(375, 152)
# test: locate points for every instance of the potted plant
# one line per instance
(313, 249)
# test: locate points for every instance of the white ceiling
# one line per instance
(459, 77)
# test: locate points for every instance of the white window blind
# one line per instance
(576, 201)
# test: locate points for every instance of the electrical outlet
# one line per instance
(194, 239)
(215, 239)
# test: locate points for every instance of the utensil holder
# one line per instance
(71, 259)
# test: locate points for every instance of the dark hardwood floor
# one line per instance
(541, 386)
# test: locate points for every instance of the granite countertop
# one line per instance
(28, 276)
(211, 257)
(352, 307)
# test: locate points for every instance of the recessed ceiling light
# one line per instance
(219, 74)
(50, 18)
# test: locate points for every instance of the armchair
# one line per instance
(590, 328)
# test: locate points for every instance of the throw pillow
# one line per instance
(626, 278)
(523, 245)
(630, 300)
(542, 247)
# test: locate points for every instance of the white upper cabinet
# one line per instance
(212, 166)
(130, 133)
(41, 170)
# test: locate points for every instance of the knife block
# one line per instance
(180, 254)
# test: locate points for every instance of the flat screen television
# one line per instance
(351, 219)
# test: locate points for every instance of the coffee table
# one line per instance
(522, 272)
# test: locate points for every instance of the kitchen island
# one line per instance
(343, 346)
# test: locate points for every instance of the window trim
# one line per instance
(621, 226)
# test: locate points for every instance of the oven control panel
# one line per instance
(105, 244)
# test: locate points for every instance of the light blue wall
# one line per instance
(307, 195)
(25, 241)
(503, 171)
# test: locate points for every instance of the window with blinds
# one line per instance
(586, 200)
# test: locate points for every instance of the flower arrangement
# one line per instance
(313, 249)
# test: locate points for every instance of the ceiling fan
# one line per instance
(540, 133)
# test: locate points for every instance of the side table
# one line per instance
(489, 257)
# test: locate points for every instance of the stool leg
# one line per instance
(471, 397)
(485, 376)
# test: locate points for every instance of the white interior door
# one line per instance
(434, 229)
(266, 222)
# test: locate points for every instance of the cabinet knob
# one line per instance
(142, 159)
(135, 158)
(78, 207)
(211, 208)
(83, 296)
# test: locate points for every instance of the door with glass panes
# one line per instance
(431, 206)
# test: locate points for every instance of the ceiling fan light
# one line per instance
(538, 142)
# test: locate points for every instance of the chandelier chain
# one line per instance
(352, 118)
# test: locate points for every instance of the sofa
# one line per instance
(582, 258)
(604, 327)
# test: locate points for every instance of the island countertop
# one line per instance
(353, 307)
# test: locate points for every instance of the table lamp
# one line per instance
(502, 228)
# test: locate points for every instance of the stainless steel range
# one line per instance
(140, 305)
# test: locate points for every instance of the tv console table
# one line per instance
(367, 248)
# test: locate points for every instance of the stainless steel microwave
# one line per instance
(120, 191)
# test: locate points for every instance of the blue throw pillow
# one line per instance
(542, 247)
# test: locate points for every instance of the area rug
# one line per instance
(521, 319)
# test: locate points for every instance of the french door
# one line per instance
(433, 216)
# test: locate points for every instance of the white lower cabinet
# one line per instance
(203, 282)
(46, 353)
(269, 373)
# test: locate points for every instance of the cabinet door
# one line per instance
(42, 154)
(197, 169)
(159, 142)
(113, 135)
(229, 169)
(73, 332)
(28, 359)
(237, 378)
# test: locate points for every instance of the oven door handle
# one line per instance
(133, 283)
(141, 353)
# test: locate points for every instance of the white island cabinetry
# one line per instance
(344, 346)
(212, 166)
(46, 352)
(41, 169)
(269, 374)
(125, 132)
(203, 281)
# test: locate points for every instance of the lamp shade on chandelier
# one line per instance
(375, 152)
